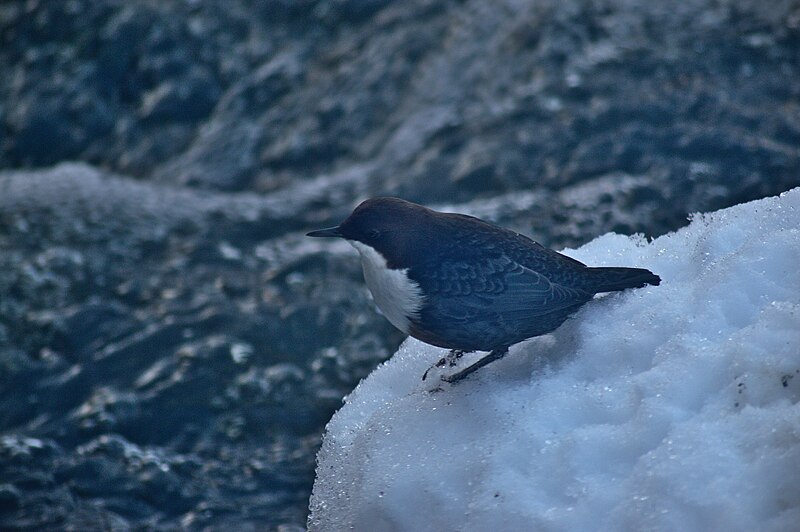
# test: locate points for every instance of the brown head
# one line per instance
(392, 226)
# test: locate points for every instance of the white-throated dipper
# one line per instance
(458, 282)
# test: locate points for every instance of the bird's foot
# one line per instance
(450, 360)
(495, 354)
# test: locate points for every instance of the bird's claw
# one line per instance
(450, 360)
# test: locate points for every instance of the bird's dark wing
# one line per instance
(491, 300)
(498, 284)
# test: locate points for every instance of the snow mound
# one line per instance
(664, 408)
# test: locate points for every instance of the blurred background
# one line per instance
(171, 346)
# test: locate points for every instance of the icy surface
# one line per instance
(665, 408)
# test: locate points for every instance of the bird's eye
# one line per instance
(373, 233)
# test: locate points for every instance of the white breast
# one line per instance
(398, 297)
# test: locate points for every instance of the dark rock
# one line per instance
(10, 498)
(188, 98)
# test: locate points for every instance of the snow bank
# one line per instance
(664, 408)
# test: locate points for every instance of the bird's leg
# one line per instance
(449, 360)
(495, 354)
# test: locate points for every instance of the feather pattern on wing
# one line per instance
(495, 288)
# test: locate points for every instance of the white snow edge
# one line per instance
(664, 408)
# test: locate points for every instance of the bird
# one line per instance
(458, 282)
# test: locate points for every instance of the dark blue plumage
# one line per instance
(475, 286)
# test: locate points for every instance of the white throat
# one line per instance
(398, 297)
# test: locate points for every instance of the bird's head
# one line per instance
(391, 226)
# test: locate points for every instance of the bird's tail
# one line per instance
(617, 278)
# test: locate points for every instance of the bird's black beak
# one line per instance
(329, 232)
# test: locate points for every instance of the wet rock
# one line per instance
(10, 498)
(189, 98)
